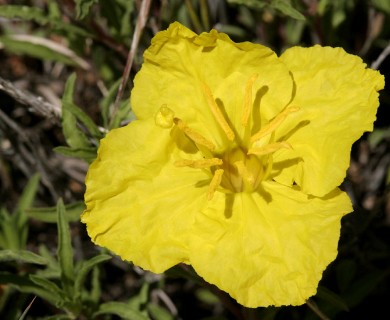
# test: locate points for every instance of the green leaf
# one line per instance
(39, 16)
(107, 102)
(22, 256)
(42, 48)
(159, 313)
(122, 310)
(331, 298)
(206, 296)
(51, 287)
(95, 286)
(383, 5)
(83, 7)
(285, 7)
(255, 4)
(85, 267)
(85, 119)
(88, 154)
(29, 192)
(124, 114)
(65, 250)
(9, 238)
(25, 284)
(26, 201)
(49, 215)
(377, 136)
(73, 135)
(184, 272)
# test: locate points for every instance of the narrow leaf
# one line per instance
(285, 7)
(65, 250)
(42, 48)
(159, 313)
(29, 192)
(122, 310)
(48, 285)
(49, 214)
(22, 256)
(25, 201)
(108, 100)
(40, 17)
(85, 119)
(25, 284)
(73, 135)
(88, 154)
(83, 7)
(86, 267)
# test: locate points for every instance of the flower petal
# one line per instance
(139, 205)
(179, 64)
(268, 248)
(338, 100)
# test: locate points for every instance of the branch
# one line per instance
(37, 103)
(141, 22)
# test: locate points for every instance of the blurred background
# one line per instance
(66, 70)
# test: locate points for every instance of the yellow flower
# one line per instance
(234, 163)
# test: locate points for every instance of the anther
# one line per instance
(247, 105)
(217, 112)
(193, 135)
(270, 148)
(199, 164)
(215, 182)
(164, 117)
(274, 124)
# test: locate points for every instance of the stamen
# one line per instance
(193, 135)
(247, 106)
(270, 148)
(164, 117)
(217, 112)
(215, 182)
(274, 124)
(268, 169)
(199, 164)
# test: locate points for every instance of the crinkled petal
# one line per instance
(179, 64)
(338, 100)
(268, 248)
(139, 205)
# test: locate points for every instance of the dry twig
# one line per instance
(38, 104)
(141, 22)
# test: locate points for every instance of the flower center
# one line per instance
(244, 165)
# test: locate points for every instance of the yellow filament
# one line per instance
(274, 124)
(270, 163)
(270, 148)
(164, 117)
(247, 106)
(215, 182)
(193, 135)
(217, 112)
(199, 164)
